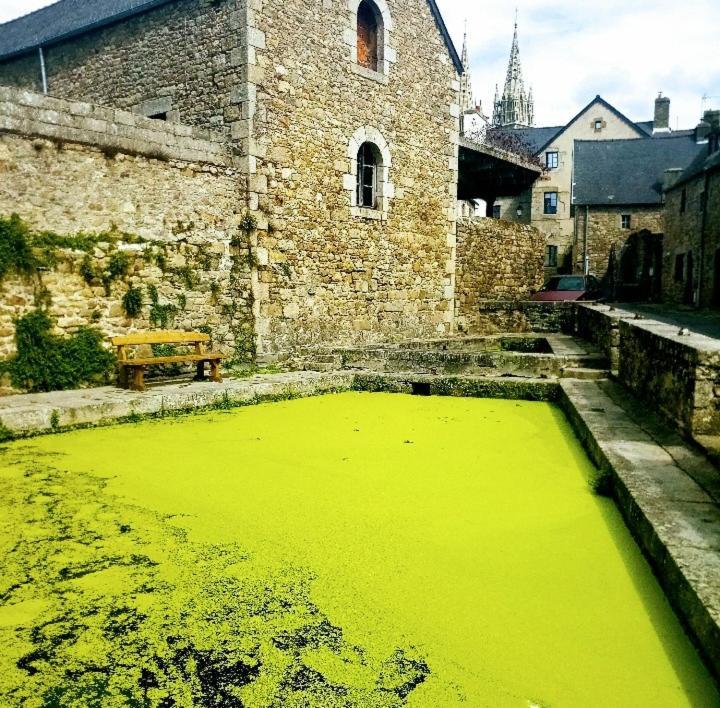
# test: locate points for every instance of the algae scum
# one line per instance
(356, 549)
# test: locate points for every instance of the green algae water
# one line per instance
(349, 550)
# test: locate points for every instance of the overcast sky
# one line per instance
(625, 50)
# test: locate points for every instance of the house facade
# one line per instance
(691, 272)
(618, 192)
(343, 124)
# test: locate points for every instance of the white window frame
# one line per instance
(384, 189)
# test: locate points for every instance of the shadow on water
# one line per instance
(649, 589)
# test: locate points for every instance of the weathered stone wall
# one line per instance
(605, 232)
(79, 168)
(496, 260)
(600, 325)
(683, 236)
(493, 317)
(678, 375)
(184, 53)
(329, 271)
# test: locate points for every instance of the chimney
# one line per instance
(701, 132)
(670, 177)
(661, 124)
(712, 118)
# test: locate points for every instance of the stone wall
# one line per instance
(135, 186)
(677, 375)
(493, 317)
(605, 232)
(496, 260)
(329, 270)
(684, 228)
(183, 57)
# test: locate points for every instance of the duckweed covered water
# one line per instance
(357, 549)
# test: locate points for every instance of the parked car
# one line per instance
(569, 287)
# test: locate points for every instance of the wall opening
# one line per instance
(369, 26)
(420, 388)
(369, 162)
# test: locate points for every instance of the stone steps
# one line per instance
(584, 374)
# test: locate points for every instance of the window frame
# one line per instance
(625, 221)
(551, 256)
(550, 209)
(555, 160)
(367, 175)
(386, 54)
(384, 189)
(496, 211)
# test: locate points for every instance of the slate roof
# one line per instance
(70, 18)
(703, 162)
(628, 171)
(540, 138)
(65, 19)
(536, 138)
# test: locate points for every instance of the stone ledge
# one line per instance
(40, 413)
(36, 115)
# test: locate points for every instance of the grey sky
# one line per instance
(625, 50)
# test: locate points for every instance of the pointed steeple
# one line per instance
(466, 94)
(515, 109)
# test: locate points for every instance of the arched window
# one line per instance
(369, 25)
(369, 162)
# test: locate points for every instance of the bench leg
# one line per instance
(215, 374)
(200, 372)
(122, 377)
(138, 379)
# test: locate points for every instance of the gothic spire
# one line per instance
(516, 107)
(466, 94)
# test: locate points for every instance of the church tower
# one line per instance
(515, 108)
(467, 102)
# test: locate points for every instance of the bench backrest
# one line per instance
(164, 337)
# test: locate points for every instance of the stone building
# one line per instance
(342, 118)
(619, 193)
(691, 272)
(516, 107)
(549, 204)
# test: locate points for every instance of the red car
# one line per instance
(569, 287)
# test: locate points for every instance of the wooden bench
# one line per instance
(131, 369)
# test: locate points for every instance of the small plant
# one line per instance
(119, 265)
(55, 421)
(153, 294)
(16, 253)
(182, 302)
(601, 483)
(215, 290)
(161, 261)
(132, 301)
(248, 223)
(87, 270)
(5, 433)
(187, 275)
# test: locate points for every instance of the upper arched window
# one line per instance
(369, 162)
(369, 28)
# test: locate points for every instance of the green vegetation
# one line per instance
(16, 253)
(322, 560)
(132, 301)
(47, 362)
